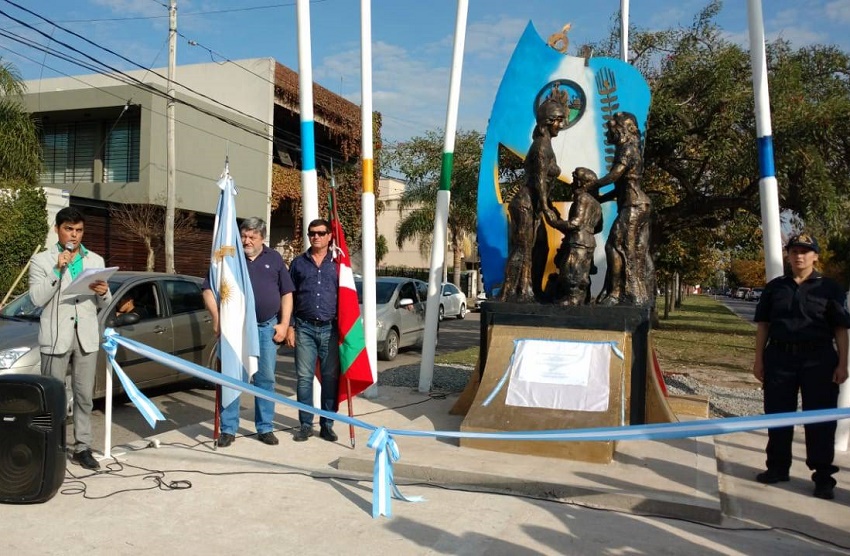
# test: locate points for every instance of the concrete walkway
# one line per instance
(315, 497)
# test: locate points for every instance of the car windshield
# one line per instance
(383, 292)
(22, 308)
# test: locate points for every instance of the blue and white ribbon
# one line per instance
(149, 411)
(386, 450)
(383, 482)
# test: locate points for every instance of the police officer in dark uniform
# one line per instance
(801, 346)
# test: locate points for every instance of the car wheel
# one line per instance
(391, 346)
(462, 314)
(442, 312)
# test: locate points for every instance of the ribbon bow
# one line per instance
(383, 484)
(149, 411)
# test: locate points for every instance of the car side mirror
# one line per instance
(125, 319)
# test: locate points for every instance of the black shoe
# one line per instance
(771, 477)
(824, 492)
(225, 440)
(268, 438)
(85, 459)
(328, 434)
(302, 434)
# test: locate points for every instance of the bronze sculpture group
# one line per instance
(629, 278)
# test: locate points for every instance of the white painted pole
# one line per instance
(107, 414)
(624, 30)
(768, 188)
(441, 215)
(309, 181)
(842, 429)
(367, 201)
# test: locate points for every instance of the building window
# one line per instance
(69, 150)
(121, 152)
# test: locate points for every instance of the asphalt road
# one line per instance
(192, 402)
(744, 309)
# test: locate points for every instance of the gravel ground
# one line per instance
(724, 402)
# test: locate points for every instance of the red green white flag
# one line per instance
(353, 358)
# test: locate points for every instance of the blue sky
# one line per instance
(412, 40)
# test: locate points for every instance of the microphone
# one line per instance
(68, 247)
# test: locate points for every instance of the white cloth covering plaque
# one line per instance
(557, 374)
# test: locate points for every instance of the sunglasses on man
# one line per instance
(312, 233)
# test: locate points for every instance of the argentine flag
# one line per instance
(239, 344)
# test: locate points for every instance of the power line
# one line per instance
(204, 13)
(147, 86)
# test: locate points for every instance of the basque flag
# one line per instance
(353, 358)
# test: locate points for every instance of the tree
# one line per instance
(701, 162)
(420, 161)
(22, 202)
(147, 224)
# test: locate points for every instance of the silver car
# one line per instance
(171, 317)
(400, 313)
(452, 302)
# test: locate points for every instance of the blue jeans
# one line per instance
(263, 378)
(311, 343)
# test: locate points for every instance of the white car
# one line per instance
(452, 302)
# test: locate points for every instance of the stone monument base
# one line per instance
(502, 323)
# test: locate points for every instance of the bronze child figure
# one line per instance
(574, 259)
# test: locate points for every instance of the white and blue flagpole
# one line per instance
(768, 187)
(309, 181)
(441, 215)
(367, 201)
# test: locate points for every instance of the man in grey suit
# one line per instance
(69, 332)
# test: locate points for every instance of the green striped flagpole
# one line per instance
(441, 215)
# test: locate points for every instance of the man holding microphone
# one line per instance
(68, 331)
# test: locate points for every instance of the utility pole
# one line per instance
(170, 186)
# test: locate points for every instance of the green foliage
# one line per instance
(381, 248)
(420, 161)
(24, 218)
(701, 160)
(22, 201)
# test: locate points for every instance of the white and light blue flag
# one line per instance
(239, 345)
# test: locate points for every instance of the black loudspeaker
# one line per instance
(32, 438)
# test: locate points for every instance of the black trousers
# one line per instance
(786, 374)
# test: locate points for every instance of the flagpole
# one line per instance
(345, 377)
(441, 215)
(768, 188)
(367, 200)
(309, 180)
(624, 30)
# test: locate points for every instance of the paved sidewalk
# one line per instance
(315, 497)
